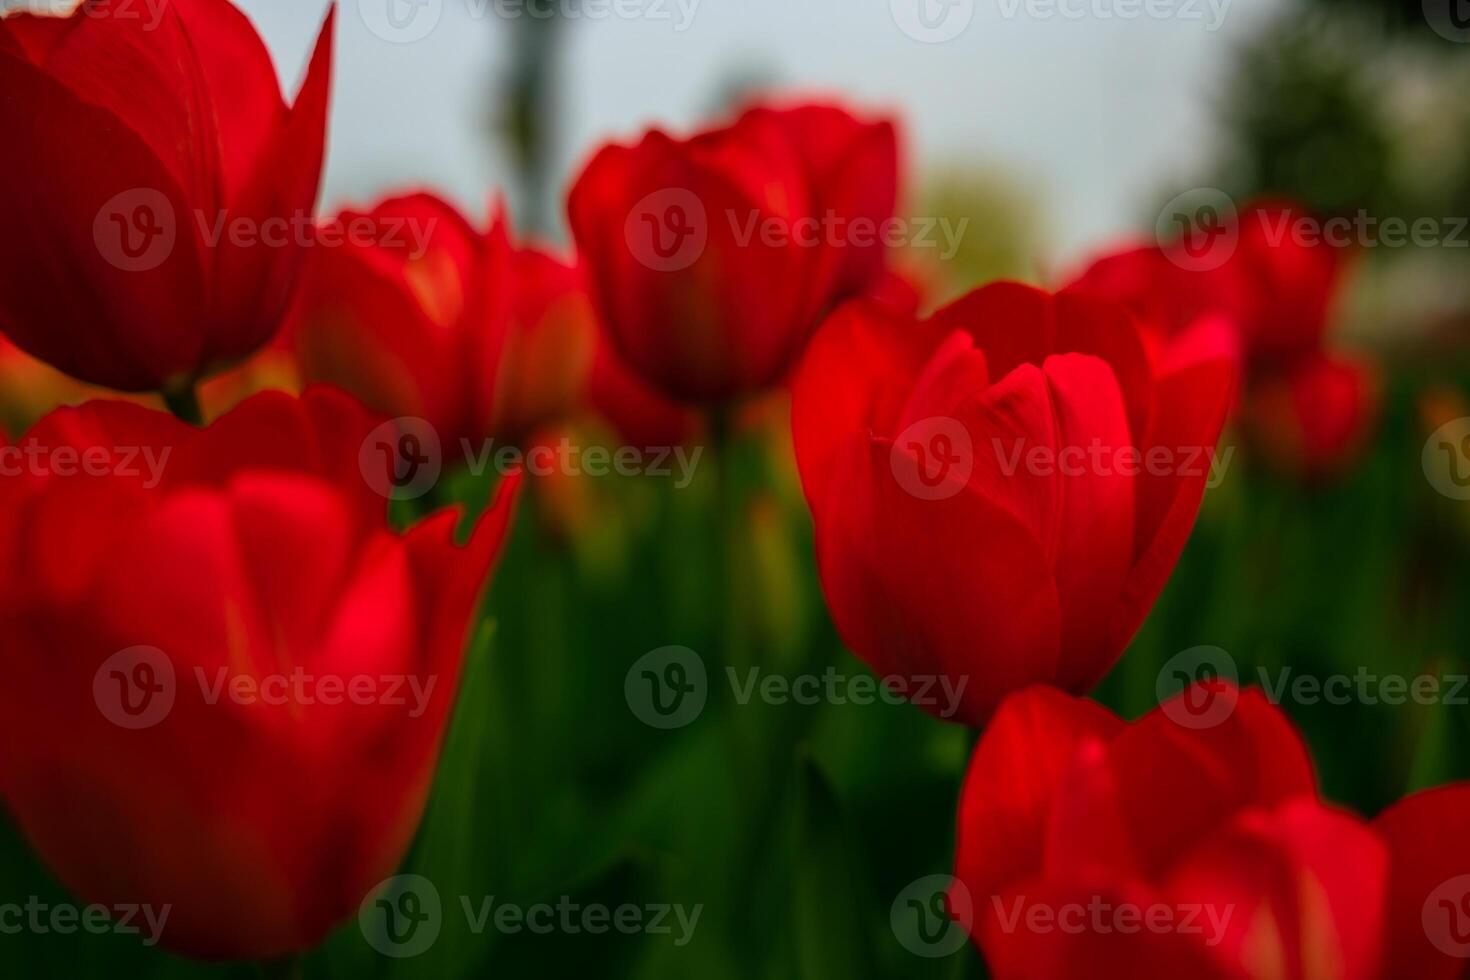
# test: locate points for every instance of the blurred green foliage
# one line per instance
(1307, 122)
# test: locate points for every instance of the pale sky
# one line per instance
(1095, 103)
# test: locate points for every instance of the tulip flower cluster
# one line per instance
(1310, 409)
(247, 673)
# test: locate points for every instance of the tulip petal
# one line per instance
(255, 277)
(1095, 514)
(1176, 784)
(852, 167)
(1428, 917)
(857, 375)
(1192, 399)
(369, 323)
(68, 294)
(1007, 423)
(885, 554)
(1012, 323)
(1029, 746)
(243, 98)
(34, 36)
(150, 80)
(1076, 926)
(1107, 330)
(296, 540)
(1303, 887)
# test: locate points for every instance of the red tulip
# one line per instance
(712, 259)
(1287, 285)
(243, 676)
(1091, 848)
(1164, 295)
(1001, 491)
(1276, 286)
(1314, 418)
(851, 167)
(420, 315)
(159, 191)
(1428, 918)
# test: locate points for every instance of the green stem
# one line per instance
(725, 512)
(183, 400)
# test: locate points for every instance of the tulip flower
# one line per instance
(851, 167)
(1092, 848)
(1309, 410)
(1314, 418)
(1166, 296)
(712, 259)
(1287, 284)
(419, 314)
(227, 679)
(1276, 286)
(1428, 910)
(158, 190)
(1001, 491)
